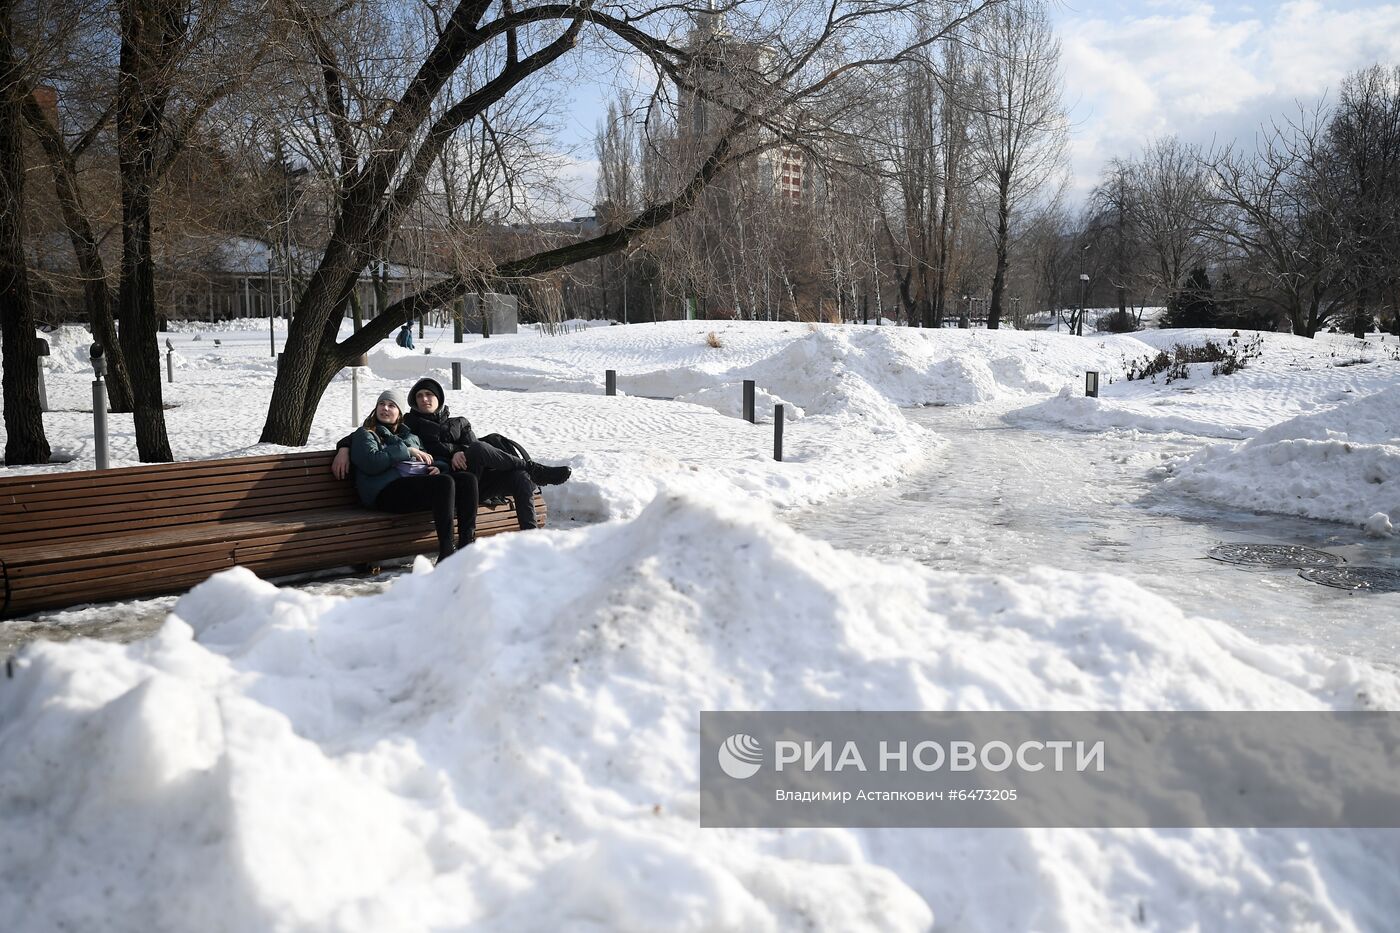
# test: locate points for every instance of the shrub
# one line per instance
(1228, 359)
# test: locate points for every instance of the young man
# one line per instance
(452, 440)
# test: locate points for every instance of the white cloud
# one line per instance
(1198, 71)
(1312, 47)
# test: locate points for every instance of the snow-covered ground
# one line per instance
(508, 741)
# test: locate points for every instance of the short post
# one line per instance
(361, 360)
(169, 362)
(427, 351)
(41, 350)
(778, 432)
(610, 382)
(1091, 384)
(99, 404)
(748, 401)
(456, 375)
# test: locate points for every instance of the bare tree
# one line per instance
(25, 441)
(1272, 208)
(171, 72)
(1020, 123)
(1361, 157)
(1113, 223)
(794, 71)
(1169, 212)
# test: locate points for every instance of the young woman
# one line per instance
(393, 473)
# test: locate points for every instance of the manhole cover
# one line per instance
(1273, 555)
(1371, 579)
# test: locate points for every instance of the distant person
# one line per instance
(451, 440)
(405, 338)
(393, 473)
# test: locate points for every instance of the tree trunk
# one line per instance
(136, 310)
(1003, 235)
(148, 32)
(25, 441)
(1361, 317)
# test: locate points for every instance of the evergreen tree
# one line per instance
(1194, 305)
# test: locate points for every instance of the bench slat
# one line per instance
(302, 519)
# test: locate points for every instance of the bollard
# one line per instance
(427, 351)
(169, 362)
(610, 382)
(99, 404)
(777, 432)
(748, 401)
(1091, 384)
(41, 350)
(456, 375)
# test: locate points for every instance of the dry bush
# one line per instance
(713, 340)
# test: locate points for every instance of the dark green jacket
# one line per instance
(374, 455)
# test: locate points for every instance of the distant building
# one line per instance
(729, 68)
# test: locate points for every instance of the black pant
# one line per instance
(500, 474)
(445, 495)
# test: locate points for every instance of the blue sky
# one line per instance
(1208, 72)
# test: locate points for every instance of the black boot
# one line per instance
(542, 475)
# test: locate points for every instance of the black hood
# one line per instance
(436, 388)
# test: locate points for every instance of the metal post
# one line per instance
(456, 375)
(777, 432)
(41, 350)
(99, 404)
(748, 401)
(271, 316)
(169, 362)
(610, 382)
(1091, 384)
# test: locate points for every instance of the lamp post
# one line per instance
(965, 321)
(99, 404)
(1083, 290)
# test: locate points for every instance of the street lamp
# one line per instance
(966, 320)
(1083, 300)
(1083, 289)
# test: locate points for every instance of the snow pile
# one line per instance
(675, 358)
(69, 349)
(1341, 464)
(510, 742)
(1292, 376)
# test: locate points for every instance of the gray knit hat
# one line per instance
(395, 396)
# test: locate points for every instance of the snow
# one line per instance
(508, 741)
(1341, 464)
(466, 750)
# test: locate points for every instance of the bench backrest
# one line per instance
(61, 506)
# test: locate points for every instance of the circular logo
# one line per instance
(740, 756)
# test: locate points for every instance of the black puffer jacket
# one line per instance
(441, 434)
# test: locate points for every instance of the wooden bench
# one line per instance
(97, 535)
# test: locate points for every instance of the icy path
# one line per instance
(1005, 496)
